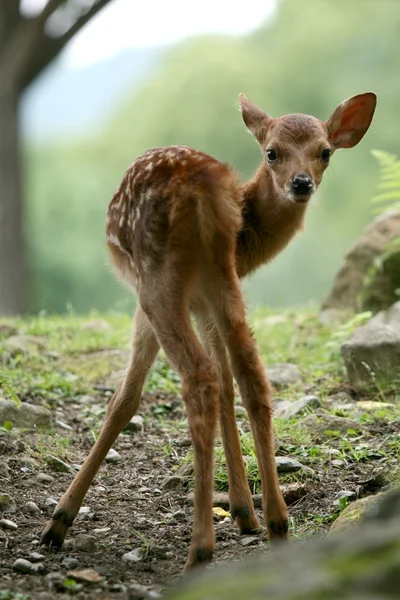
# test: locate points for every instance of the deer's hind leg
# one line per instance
(241, 502)
(123, 405)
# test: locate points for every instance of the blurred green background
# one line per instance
(308, 57)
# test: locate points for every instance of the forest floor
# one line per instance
(347, 441)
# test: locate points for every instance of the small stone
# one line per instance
(4, 471)
(240, 411)
(137, 592)
(63, 425)
(86, 576)
(85, 543)
(286, 409)
(249, 541)
(57, 464)
(174, 482)
(44, 478)
(319, 423)
(35, 557)
(283, 375)
(179, 515)
(50, 502)
(7, 503)
(7, 524)
(349, 494)
(135, 424)
(25, 416)
(102, 530)
(352, 514)
(84, 511)
(133, 556)
(22, 566)
(113, 456)
(337, 463)
(31, 508)
(285, 464)
(37, 569)
(157, 492)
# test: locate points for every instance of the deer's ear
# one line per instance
(255, 119)
(351, 120)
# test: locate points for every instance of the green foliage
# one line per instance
(189, 98)
(389, 180)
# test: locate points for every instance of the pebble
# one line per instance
(57, 464)
(157, 492)
(349, 494)
(133, 556)
(35, 557)
(179, 515)
(22, 566)
(135, 424)
(7, 524)
(249, 541)
(31, 508)
(174, 482)
(285, 464)
(85, 543)
(49, 502)
(240, 411)
(7, 503)
(337, 463)
(44, 478)
(63, 425)
(84, 511)
(86, 576)
(113, 456)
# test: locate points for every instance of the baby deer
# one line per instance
(182, 230)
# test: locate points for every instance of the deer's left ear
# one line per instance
(351, 120)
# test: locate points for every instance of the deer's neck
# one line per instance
(269, 222)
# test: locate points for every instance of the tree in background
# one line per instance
(27, 47)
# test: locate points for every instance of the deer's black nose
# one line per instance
(301, 185)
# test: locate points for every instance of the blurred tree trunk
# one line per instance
(13, 284)
(27, 47)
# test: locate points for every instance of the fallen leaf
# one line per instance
(217, 510)
(86, 576)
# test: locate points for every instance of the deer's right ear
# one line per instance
(255, 119)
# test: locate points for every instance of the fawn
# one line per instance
(182, 231)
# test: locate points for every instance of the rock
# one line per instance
(373, 349)
(69, 562)
(56, 464)
(4, 471)
(179, 515)
(249, 541)
(337, 463)
(389, 317)
(240, 411)
(85, 543)
(175, 482)
(334, 316)
(86, 576)
(319, 424)
(22, 566)
(35, 557)
(7, 503)
(133, 556)
(24, 344)
(63, 425)
(136, 591)
(26, 416)
(283, 375)
(50, 502)
(97, 326)
(136, 424)
(44, 478)
(285, 464)
(31, 508)
(113, 456)
(84, 512)
(349, 494)
(352, 514)
(7, 524)
(285, 409)
(351, 289)
(7, 330)
(364, 565)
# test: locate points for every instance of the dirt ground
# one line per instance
(132, 504)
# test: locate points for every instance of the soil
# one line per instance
(130, 507)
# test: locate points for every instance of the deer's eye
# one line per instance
(271, 155)
(326, 154)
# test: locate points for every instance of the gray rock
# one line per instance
(283, 375)
(4, 470)
(7, 503)
(31, 508)
(84, 512)
(284, 409)
(56, 464)
(44, 478)
(113, 456)
(133, 556)
(136, 424)
(350, 290)
(22, 566)
(389, 317)
(349, 494)
(174, 482)
(50, 502)
(373, 349)
(352, 515)
(35, 557)
(319, 423)
(240, 411)
(85, 543)
(179, 515)
(69, 562)
(26, 416)
(249, 541)
(24, 344)
(7, 524)
(285, 464)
